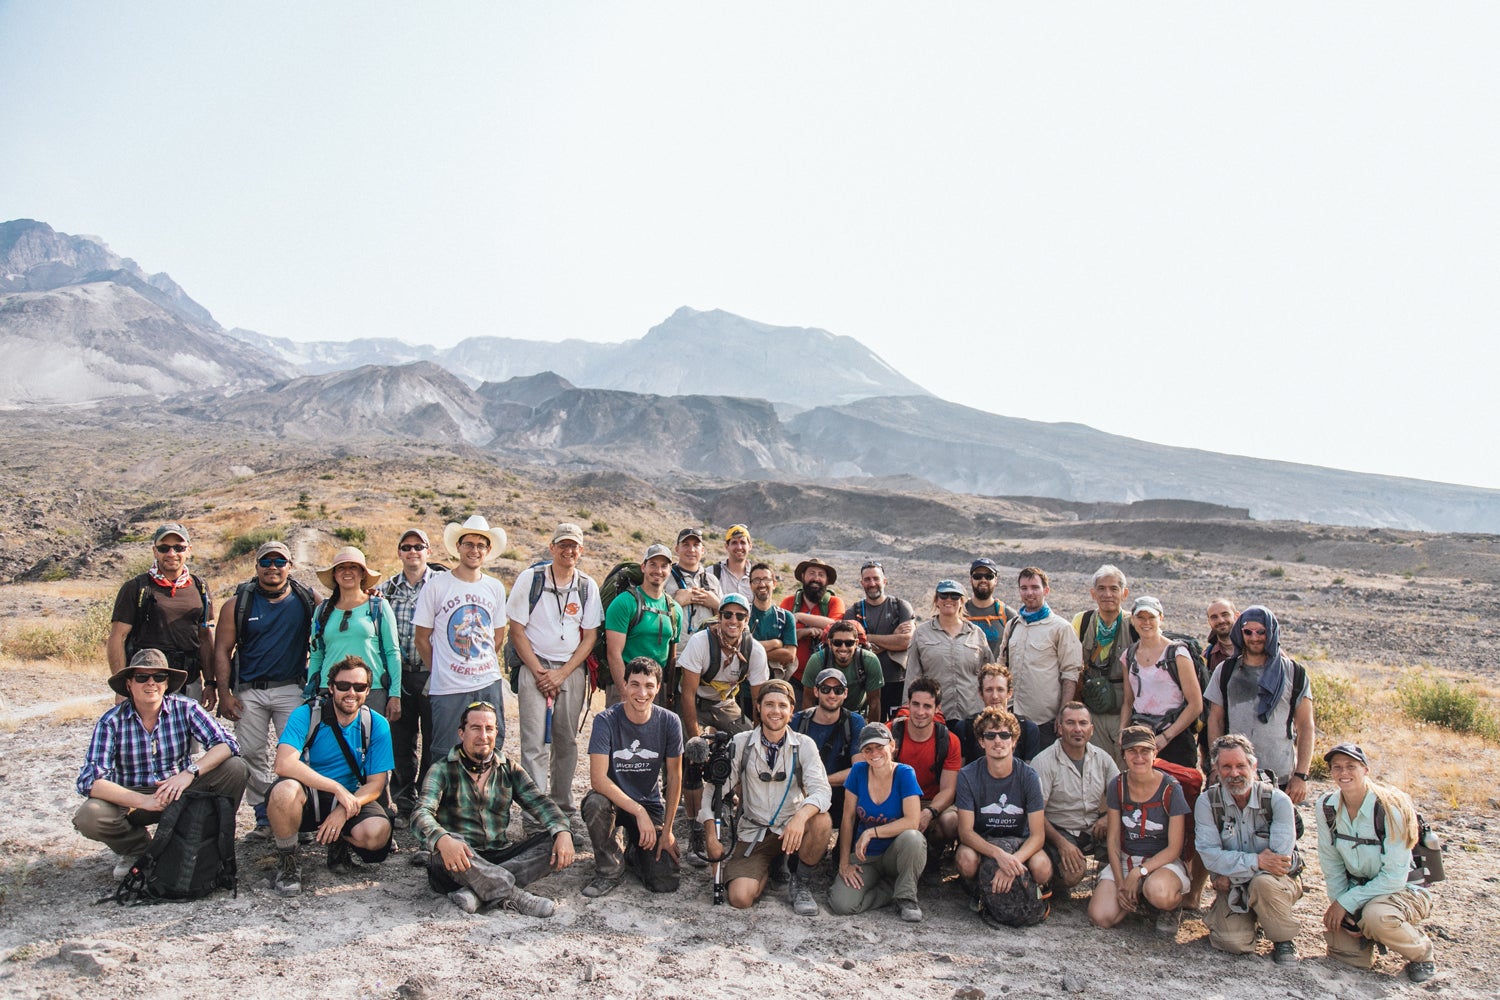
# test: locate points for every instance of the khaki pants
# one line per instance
(263, 715)
(1389, 920)
(124, 830)
(888, 876)
(1107, 737)
(551, 765)
(1271, 898)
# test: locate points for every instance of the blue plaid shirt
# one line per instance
(123, 752)
(403, 597)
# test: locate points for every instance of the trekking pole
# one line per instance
(720, 893)
(547, 724)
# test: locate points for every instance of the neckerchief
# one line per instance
(1104, 635)
(183, 579)
(478, 770)
(274, 595)
(771, 749)
(1032, 617)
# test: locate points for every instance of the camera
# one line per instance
(709, 758)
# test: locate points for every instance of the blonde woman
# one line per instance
(1161, 686)
(1370, 900)
(881, 851)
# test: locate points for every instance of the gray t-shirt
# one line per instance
(1146, 822)
(1000, 805)
(883, 619)
(1273, 749)
(638, 753)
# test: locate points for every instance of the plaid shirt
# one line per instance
(403, 598)
(451, 804)
(123, 752)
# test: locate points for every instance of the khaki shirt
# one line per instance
(1041, 657)
(1074, 800)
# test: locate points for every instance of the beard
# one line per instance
(812, 590)
(983, 590)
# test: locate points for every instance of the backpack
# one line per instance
(626, 578)
(1426, 853)
(1299, 680)
(1096, 688)
(323, 713)
(1168, 663)
(145, 602)
(242, 596)
(823, 602)
(803, 722)
(190, 855)
(716, 660)
(513, 662)
(320, 622)
(1263, 815)
(1024, 904)
(1190, 779)
(940, 734)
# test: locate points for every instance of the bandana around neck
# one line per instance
(183, 579)
(1032, 617)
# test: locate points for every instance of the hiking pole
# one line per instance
(547, 724)
(720, 889)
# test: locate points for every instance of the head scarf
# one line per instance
(1278, 669)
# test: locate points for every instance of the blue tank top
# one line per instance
(274, 646)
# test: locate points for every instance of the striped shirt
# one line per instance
(123, 752)
(453, 804)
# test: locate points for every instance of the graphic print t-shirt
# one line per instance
(463, 617)
(1146, 828)
(1000, 805)
(638, 753)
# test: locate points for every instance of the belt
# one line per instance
(266, 685)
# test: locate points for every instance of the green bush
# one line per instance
(243, 545)
(600, 527)
(354, 536)
(1276, 571)
(638, 535)
(1452, 706)
(83, 639)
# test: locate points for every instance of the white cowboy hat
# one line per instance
(475, 525)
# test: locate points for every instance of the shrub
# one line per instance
(600, 527)
(1338, 581)
(510, 554)
(638, 535)
(1452, 706)
(82, 639)
(354, 536)
(243, 545)
(1276, 571)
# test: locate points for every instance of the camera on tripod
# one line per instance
(709, 758)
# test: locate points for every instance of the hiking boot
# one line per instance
(1284, 953)
(340, 860)
(1420, 972)
(418, 859)
(528, 904)
(697, 855)
(601, 885)
(287, 881)
(1167, 921)
(122, 867)
(799, 891)
(465, 899)
(909, 910)
(262, 831)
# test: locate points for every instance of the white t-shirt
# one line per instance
(463, 617)
(555, 626)
(694, 659)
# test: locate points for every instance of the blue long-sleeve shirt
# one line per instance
(1232, 849)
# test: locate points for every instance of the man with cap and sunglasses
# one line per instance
(888, 623)
(815, 606)
(690, 583)
(260, 662)
(139, 759)
(834, 728)
(403, 590)
(844, 650)
(167, 608)
(985, 609)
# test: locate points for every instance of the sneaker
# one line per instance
(287, 881)
(465, 899)
(262, 831)
(418, 859)
(800, 893)
(528, 904)
(909, 910)
(340, 860)
(1284, 953)
(400, 822)
(122, 867)
(697, 847)
(305, 837)
(600, 885)
(1420, 972)
(1167, 921)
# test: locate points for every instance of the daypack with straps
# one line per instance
(845, 727)
(823, 602)
(1168, 662)
(626, 578)
(1263, 815)
(191, 853)
(1426, 854)
(1098, 688)
(145, 603)
(323, 714)
(941, 736)
(1299, 680)
(243, 594)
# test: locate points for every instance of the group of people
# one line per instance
(1030, 746)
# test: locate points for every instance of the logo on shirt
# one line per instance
(470, 634)
(571, 609)
(635, 750)
(1139, 825)
(1003, 808)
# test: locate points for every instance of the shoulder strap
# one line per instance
(941, 736)
(1299, 678)
(243, 594)
(203, 596)
(1010, 626)
(538, 584)
(357, 766)
(307, 597)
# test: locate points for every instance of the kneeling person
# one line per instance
(138, 759)
(1002, 826)
(332, 770)
(783, 804)
(462, 816)
(634, 744)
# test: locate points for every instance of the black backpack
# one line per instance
(242, 597)
(145, 603)
(513, 662)
(190, 856)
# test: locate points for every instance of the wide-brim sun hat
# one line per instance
(147, 659)
(475, 525)
(348, 554)
(806, 564)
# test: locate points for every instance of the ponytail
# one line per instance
(1397, 803)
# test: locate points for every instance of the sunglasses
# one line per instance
(831, 688)
(981, 576)
(417, 547)
(156, 677)
(164, 548)
(1252, 631)
(998, 734)
(842, 643)
(266, 562)
(354, 686)
(734, 616)
(768, 776)
(480, 704)
(871, 565)
(950, 597)
(344, 625)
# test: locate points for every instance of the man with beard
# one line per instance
(1104, 634)
(463, 815)
(888, 623)
(1219, 647)
(167, 608)
(1265, 695)
(264, 631)
(985, 609)
(654, 632)
(733, 571)
(690, 583)
(1043, 654)
(1074, 773)
(1246, 834)
(860, 668)
(783, 806)
(815, 608)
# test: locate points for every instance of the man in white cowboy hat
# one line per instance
(139, 759)
(815, 607)
(460, 628)
(166, 608)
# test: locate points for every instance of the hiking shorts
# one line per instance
(1107, 871)
(319, 804)
(1086, 844)
(758, 864)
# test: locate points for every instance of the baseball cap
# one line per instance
(687, 533)
(567, 532)
(1348, 750)
(832, 674)
(875, 732)
(657, 551)
(171, 528)
(949, 587)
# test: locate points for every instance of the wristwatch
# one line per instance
(1300, 775)
(192, 768)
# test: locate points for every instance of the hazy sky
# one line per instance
(1268, 229)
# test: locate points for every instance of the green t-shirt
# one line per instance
(654, 634)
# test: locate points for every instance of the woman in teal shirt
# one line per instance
(1370, 900)
(352, 623)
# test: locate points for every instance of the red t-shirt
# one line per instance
(805, 647)
(919, 756)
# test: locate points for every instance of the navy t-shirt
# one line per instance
(638, 753)
(1000, 805)
(832, 749)
(1145, 823)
